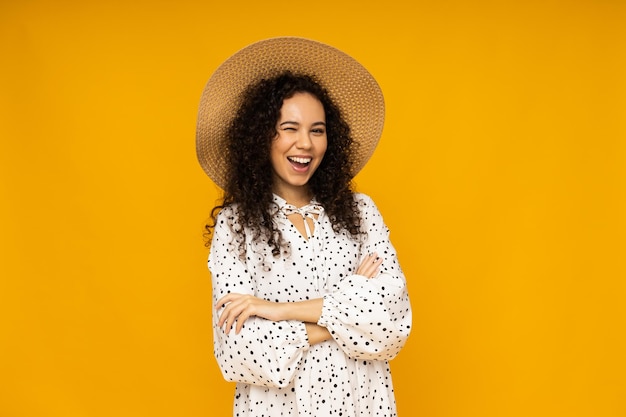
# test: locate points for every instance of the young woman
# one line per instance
(310, 301)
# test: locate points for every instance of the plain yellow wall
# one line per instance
(501, 173)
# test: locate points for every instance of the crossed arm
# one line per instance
(240, 307)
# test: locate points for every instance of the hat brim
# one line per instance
(351, 87)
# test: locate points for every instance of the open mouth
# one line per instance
(299, 162)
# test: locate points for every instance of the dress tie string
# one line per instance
(310, 210)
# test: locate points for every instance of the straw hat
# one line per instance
(351, 87)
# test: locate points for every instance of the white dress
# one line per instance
(277, 372)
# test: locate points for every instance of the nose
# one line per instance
(303, 141)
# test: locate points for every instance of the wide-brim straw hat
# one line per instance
(351, 87)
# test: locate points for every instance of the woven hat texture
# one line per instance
(351, 87)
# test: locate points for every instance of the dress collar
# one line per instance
(312, 208)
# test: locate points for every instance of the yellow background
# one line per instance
(501, 173)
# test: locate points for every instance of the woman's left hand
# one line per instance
(239, 307)
(370, 265)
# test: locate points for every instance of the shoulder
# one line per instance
(371, 216)
(226, 212)
(228, 216)
(364, 201)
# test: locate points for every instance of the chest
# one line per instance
(310, 268)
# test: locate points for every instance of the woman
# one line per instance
(310, 301)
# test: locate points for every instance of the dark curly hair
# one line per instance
(249, 175)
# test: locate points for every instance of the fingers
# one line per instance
(235, 306)
(370, 265)
(240, 307)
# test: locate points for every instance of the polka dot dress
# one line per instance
(277, 372)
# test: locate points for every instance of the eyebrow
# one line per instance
(296, 123)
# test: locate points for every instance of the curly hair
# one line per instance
(249, 173)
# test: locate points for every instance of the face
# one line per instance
(300, 144)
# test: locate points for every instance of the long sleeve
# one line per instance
(370, 318)
(264, 353)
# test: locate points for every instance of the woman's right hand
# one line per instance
(239, 307)
(370, 265)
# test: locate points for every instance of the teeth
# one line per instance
(300, 160)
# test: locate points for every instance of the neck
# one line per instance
(298, 197)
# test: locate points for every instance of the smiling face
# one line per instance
(299, 146)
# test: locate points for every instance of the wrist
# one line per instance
(285, 311)
(308, 311)
(317, 334)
